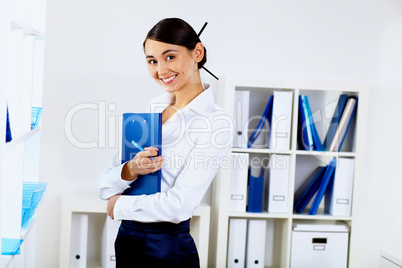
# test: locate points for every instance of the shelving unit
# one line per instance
(322, 95)
(22, 31)
(87, 204)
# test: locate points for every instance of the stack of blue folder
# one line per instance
(308, 138)
(316, 184)
(31, 196)
(10, 246)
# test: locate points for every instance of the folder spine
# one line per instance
(281, 120)
(328, 175)
(238, 183)
(237, 243)
(241, 116)
(265, 117)
(338, 198)
(256, 234)
(278, 184)
(305, 134)
(256, 192)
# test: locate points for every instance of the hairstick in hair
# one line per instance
(202, 29)
(210, 73)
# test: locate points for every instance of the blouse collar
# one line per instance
(202, 104)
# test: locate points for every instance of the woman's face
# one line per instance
(172, 66)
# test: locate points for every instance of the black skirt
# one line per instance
(161, 244)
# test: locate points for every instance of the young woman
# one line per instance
(196, 135)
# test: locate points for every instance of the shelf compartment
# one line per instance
(258, 100)
(305, 166)
(276, 242)
(323, 104)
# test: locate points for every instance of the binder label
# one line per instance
(279, 198)
(319, 247)
(237, 197)
(342, 201)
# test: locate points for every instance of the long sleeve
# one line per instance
(110, 182)
(179, 202)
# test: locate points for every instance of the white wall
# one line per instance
(94, 55)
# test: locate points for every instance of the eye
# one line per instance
(152, 62)
(171, 57)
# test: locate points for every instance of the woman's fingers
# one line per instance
(145, 165)
(149, 151)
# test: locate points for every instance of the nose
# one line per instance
(162, 68)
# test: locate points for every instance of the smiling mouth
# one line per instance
(169, 79)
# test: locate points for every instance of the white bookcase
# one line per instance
(279, 225)
(22, 32)
(92, 204)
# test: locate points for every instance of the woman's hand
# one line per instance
(110, 205)
(142, 164)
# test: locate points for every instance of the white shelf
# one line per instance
(27, 29)
(321, 216)
(260, 151)
(262, 215)
(5, 260)
(302, 216)
(22, 26)
(334, 154)
(22, 138)
(297, 152)
(25, 231)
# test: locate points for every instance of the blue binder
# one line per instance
(146, 130)
(308, 189)
(8, 129)
(308, 127)
(255, 192)
(266, 116)
(329, 174)
(335, 120)
(305, 136)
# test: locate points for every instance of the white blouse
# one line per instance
(195, 144)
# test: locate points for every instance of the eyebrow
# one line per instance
(167, 51)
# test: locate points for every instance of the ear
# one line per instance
(198, 52)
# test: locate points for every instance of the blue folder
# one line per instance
(146, 130)
(255, 192)
(310, 121)
(266, 116)
(10, 246)
(8, 129)
(305, 136)
(335, 120)
(328, 176)
(308, 189)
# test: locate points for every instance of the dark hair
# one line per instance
(177, 32)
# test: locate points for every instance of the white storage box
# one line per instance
(319, 245)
